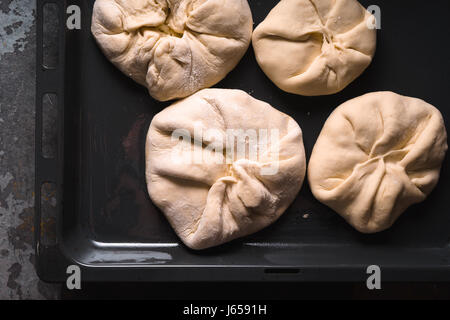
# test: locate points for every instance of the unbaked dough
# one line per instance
(315, 47)
(173, 47)
(211, 202)
(376, 156)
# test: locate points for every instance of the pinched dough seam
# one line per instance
(371, 158)
(162, 35)
(216, 109)
(323, 26)
(410, 139)
(209, 65)
(225, 203)
(193, 228)
(323, 22)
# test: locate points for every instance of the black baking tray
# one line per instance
(108, 226)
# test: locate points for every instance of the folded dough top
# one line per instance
(315, 47)
(377, 155)
(222, 165)
(173, 47)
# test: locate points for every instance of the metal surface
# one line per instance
(108, 225)
(18, 279)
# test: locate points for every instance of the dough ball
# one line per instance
(222, 165)
(315, 47)
(376, 156)
(173, 47)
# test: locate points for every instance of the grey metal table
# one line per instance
(18, 279)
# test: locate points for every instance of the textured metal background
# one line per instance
(18, 279)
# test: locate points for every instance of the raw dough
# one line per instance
(315, 47)
(208, 202)
(377, 155)
(173, 47)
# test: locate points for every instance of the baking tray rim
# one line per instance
(52, 170)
